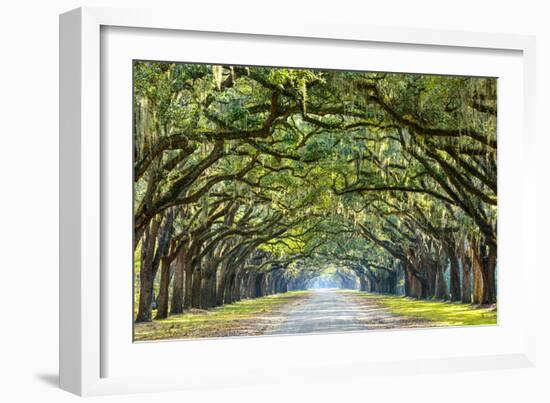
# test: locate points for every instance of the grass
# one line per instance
(246, 317)
(444, 313)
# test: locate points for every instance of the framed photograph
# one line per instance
(313, 201)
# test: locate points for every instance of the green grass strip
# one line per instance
(444, 313)
(212, 322)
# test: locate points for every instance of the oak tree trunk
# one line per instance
(188, 284)
(196, 290)
(484, 264)
(455, 290)
(162, 309)
(362, 283)
(177, 286)
(440, 284)
(466, 273)
(146, 274)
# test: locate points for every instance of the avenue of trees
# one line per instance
(251, 181)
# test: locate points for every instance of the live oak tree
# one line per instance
(250, 181)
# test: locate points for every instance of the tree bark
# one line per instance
(362, 283)
(415, 287)
(177, 286)
(489, 265)
(221, 286)
(477, 294)
(392, 282)
(466, 273)
(163, 245)
(208, 289)
(258, 285)
(187, 296)
(484, 257)
(196, 289)
(162, 309)
(440, 284)
(228, 289)
(236, 290)
(455, 275)
(146, 275)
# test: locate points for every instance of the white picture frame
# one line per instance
(85, 343)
